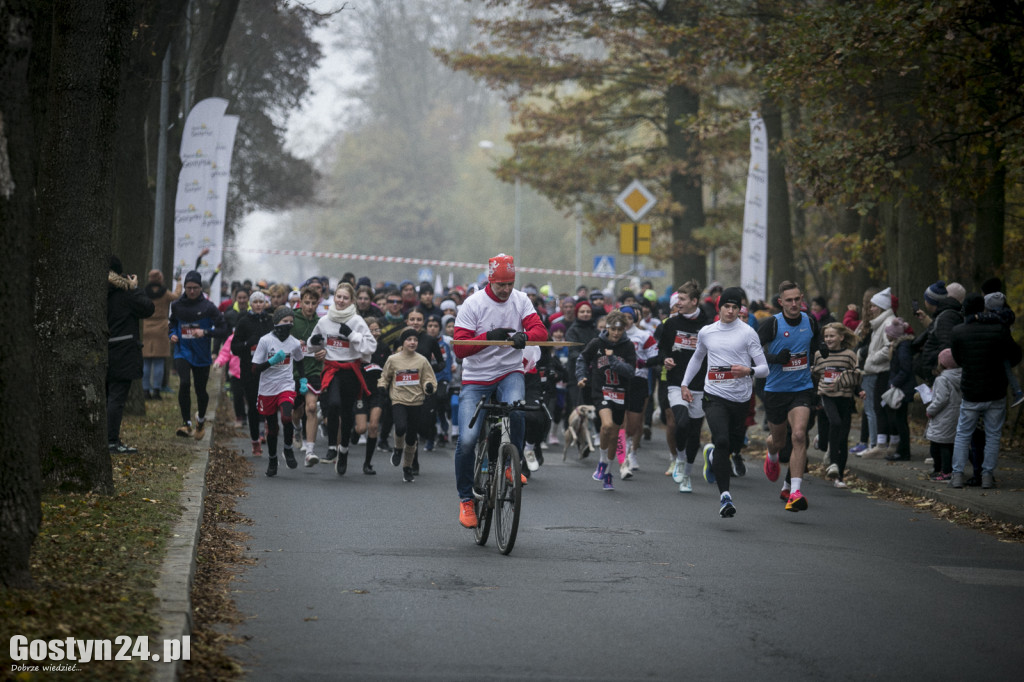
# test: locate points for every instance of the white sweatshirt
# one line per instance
(726, 345)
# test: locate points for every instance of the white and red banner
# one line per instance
(754, 257)
(201, 199)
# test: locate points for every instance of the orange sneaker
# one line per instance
(467, 514)
(508, 476)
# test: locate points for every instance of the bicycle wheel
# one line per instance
(509, 497)
(481, 495)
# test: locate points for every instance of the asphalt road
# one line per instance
(369, 578)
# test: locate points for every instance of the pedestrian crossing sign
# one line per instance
(604, 266)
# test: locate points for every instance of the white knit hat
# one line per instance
(883, 299)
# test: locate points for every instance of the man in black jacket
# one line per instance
(980, 346)
(126, 305)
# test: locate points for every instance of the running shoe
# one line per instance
(796, 502)
(709, 454)
(784, 494)
(858, 448)
(677, 471)
(257, 449)
(342, 464)
(332, 454)
(311, 460)
(608, 482)
(184, 431)
(728, 509)
(631, 460)
(839, 484)
(508, 476)
(599, 473)
(383, 445)
(467, 514)
(531, 459)
(739, 468)
(396, 457)
(771, 467)
(200, 428)
(272, 467)
(407, 475)
(685, 486)
(289, 458)
(671, 466)
(832, 473)
(940, 477)
(624, 473)
(368, 469)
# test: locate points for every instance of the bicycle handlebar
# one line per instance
(504, 408)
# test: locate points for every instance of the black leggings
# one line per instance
(834, 427)
(187, 374)
(687, 431)
(942, 457)
(409, 422)
(237, 396)
(340, 403)
(251, 387)
(727, 421)
(272, 429)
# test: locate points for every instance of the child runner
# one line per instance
(370, 408)
(607, 365)
(306, 320)
(275, 355)
(411, 380)
(838, 379)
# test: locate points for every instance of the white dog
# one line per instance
(581, 431)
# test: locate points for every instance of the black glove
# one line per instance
(344, 329)
(823, 349)
(781, 358)
(428, 389)
(519, 340)
(499, 334)
(316, 340)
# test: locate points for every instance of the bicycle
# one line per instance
(497, 475)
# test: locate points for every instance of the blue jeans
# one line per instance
(992, 414)
(152, 367)
(867, 384)
(512, 387)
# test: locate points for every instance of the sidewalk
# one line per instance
(1005, 502)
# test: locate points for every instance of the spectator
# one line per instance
(156, 348)
(126, 305)
(940, 314)
(980, 346)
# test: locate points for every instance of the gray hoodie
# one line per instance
(944, 409)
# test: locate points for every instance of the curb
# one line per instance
(173, 587)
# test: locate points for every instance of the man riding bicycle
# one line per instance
(495, 313)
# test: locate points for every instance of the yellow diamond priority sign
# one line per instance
(636, 200)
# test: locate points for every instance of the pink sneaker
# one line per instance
(771, 468)
(796, 502)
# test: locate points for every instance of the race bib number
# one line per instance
(372, 367)
(797, 362)
(409, 378)
(612, 395)
(685, 341)
(190, 331)
(337, 342)
(830, 375)
(720, 375)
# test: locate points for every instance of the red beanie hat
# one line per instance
(501, 268)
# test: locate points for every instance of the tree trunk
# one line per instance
(990, 222)
(916, 250)
(75, 213)
(20, 512)
(781, 264)
(685, 182)
(213, 49)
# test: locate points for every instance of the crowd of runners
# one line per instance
(399, 369)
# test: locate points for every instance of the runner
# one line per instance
(676, 347)
(275, 355)
(305, 321)
(252, 326)
(370, 408)
(639, 387)
(607, 365)
(496, 313)
(343, 341)
(734, 358)
(789, 339)
(411, 381)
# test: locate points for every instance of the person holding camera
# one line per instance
(126, 305)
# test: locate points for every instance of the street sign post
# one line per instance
(634, 239)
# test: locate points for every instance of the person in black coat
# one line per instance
(126, 305)
(980, 346)
(252, 326)
(941, 313)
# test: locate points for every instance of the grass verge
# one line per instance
(96, 558)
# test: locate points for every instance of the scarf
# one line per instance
(344, 315)
(155, 290)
